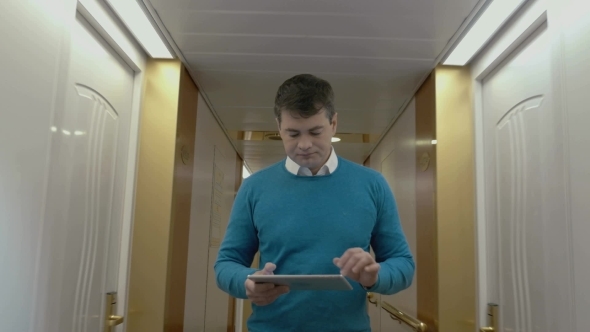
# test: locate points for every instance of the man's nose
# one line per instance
(304, 143)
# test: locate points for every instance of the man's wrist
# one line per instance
(372, 286)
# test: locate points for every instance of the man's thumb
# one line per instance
(269, 268)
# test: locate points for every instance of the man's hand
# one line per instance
(359, 266)
(264, 294)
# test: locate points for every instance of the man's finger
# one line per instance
(342, 260)
(253, 287)
(263, 287)
(375, 267)
(363, 262)
(263, 294)
(274, 291)
(249, 285)
(269, 268)
(350, 263)
(282, 290)
(267, 289)
(260, 302)
(268, 297)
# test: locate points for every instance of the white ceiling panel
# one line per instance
(299, 63)
(379, 7)
(258, 89)
(349, 121)
(373, 52)
(203, 43)
(302, 24)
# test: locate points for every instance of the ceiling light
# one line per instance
(273, 136)
(433, 142)
(335, 139)
(493, 17)
(141, 27)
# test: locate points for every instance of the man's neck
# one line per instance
(331, 163)
(317, 169)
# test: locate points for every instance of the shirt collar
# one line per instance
(328, 168)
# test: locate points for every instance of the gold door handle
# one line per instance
(115, 320)
(111, 320)
(370, 297)
(493, 317)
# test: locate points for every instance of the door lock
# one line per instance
(493, 319)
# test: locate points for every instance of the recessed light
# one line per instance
(493, 17)
(335, 139)
(141, 27)
(434, 142)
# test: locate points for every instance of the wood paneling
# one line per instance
(455, 199)
(445, 201)
(151, 229)
(181, 203)
(426, 233)
(395, 158)
(163, 199)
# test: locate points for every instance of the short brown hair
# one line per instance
(305, 95)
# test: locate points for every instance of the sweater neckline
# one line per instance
(315, 177)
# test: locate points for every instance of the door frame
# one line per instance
(523, 25)
(108, 26)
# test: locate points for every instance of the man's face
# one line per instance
(308, 141)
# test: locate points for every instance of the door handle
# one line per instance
(115, 320)
(493, 317)
(370, 298)
(111, 320)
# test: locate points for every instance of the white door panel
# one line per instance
(576, 74)
(528, 264)
(87, 172)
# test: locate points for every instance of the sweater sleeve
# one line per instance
(238, 248)
(390, 245)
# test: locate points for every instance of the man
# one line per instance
(313, 213)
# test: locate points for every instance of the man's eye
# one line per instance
(293, 135)
(315, 134)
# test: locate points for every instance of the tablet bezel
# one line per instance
(305, 282)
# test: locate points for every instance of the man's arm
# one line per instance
(238, 248)
(390, 245)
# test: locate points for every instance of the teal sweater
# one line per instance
(302, 223)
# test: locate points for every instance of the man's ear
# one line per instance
(278, 123)
(334, 123)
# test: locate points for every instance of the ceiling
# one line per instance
(375, 53)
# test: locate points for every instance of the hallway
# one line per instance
(129, 126)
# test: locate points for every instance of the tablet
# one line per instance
(305, 282)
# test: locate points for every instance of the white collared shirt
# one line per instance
(328, 168)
